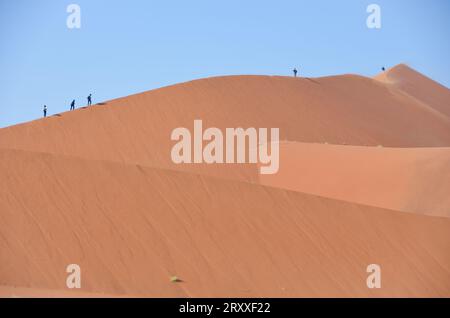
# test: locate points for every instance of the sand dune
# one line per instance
(418, 86)
(21, 292)
(97, 187)
(131, 228)
(405, 179)
(345, 109)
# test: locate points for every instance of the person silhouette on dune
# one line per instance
(72, 105)
(89, 98)
(295, 72)
(45, 110)
(383, 69)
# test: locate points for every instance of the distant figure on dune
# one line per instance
(45, 110)
(295, 72)
(89, 98)
(383, 69)
(72, 105)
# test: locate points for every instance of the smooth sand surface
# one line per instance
(131, 228)
(345, 109)
(364, 176)
(418, 86)
(405, 179)
(21, 292)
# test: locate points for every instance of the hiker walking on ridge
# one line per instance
(295, 72)
(72, 105)
(89, 98)
(45, 111)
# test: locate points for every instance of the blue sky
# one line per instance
(125, 47)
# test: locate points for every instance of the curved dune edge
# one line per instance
(130, 228)
(96, 187)
(347, 109)
(412, 180)
(418, 86)
(404, 179)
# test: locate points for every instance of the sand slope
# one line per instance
(405, 179)
(97, 187)
(131, 228)
(345, 109)
(418, 86)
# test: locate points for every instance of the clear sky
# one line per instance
(125, 47)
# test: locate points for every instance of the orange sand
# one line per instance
(364, 176)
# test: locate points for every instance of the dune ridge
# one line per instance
(364, 166)
(403, 179)
(149, 224)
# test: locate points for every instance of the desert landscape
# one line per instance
(364, 178)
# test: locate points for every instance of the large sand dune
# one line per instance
(97, 187)
(405, 179)
(345, 109)
(418, 86)
(130, 228)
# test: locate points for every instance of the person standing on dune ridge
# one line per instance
(89, 99)
(295, 72)
(72, 105)
(45, 111)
